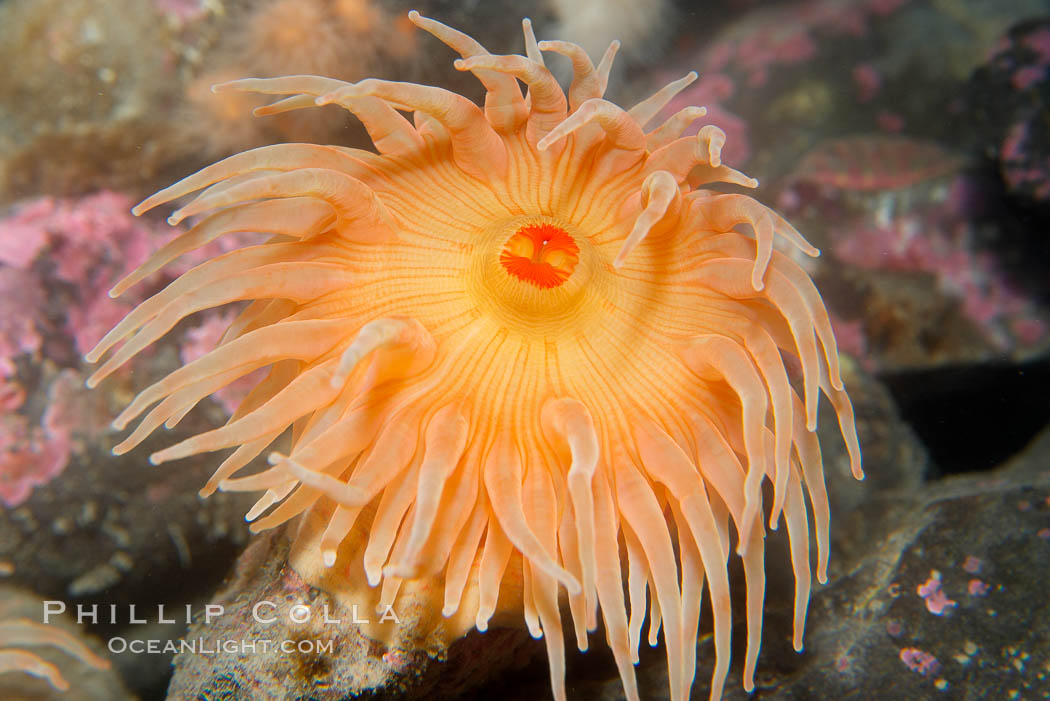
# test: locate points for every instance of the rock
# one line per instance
(952, 603)
(947, 601)
(1009, 100)
(325, 656)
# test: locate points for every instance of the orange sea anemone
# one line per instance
(520, 346)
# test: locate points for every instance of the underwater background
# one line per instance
(908, 139)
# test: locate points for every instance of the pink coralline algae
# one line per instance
(749, 53)
(22, 297)
(895, 221)
(872, 163)
(1019, 170)
(1015, 84)
(937, 602)
(912, 243)
(786, 35)
(920, 661)
(1038, 43)
(34, 453)
(58, 258)
(29, 457)
(86, 244)
(868, 81)
(977, 587)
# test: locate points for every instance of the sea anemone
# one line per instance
(518, 346)
(21, 632)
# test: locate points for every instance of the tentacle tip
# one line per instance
(858, 474)
(811, 424)
(91, 382)
(813, 252)
(139, 209)
(572, 586)
(255, 527)
(481, 624)
(797, 644)
(373, 577)
(618, 262)
(758, 283)
(206, 491)
(822, 576)
(157, 458)
(752, 182)
(275, 458)
(448, 610)
(176, 218)
(221, 87)
(328, 557)
(414, 16)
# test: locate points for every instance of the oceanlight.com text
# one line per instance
(200, 646)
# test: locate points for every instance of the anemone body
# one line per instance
(519, 345)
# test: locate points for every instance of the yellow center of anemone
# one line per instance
(536, 275)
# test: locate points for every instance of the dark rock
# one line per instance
(947, 602)
(1009, 103)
